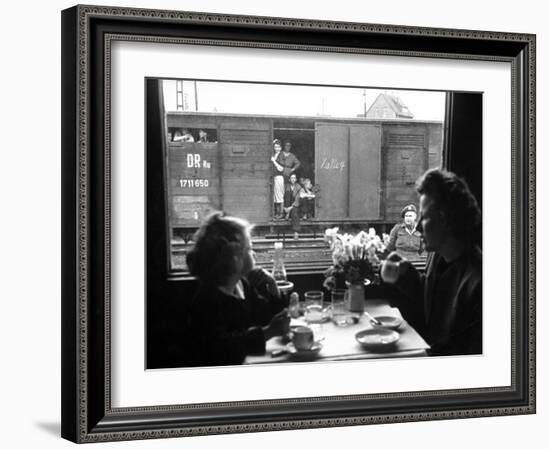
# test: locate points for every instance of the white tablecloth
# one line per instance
(339, 343)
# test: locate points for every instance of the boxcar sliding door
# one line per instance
(364, 179)
(347, 171)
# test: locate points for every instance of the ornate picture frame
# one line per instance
(88, 33)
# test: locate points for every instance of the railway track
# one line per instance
(308, 254)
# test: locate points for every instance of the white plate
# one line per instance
(377, 339)
(304, 353)
(388, 322)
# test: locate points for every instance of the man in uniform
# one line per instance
(289, 161)
(405, 239)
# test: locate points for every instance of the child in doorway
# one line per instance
(307, 199)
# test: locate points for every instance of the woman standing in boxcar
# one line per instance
(278, 180)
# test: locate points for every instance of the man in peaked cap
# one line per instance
(408, 208)
(405, 239)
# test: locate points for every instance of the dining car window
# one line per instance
(327, 176)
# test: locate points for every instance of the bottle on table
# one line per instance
(279, 270)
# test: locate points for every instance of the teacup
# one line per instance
(390, 271)
(302, 338)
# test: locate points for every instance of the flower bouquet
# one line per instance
(355, 257)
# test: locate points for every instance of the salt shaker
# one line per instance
(294, 305)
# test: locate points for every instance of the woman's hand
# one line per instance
(263, 282)
(393, 267)
(279, 325)
(278, 166)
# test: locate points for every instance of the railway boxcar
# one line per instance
(363, 170)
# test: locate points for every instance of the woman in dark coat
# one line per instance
(237, 306)
(445, 303)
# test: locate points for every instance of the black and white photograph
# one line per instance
(312, 223)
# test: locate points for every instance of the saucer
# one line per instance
(304, 353)
(377, 339)
(285, 286)
(387, 322)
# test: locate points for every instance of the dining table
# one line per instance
(335, 342)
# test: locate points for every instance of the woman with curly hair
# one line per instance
(237, 306)
(444, 303)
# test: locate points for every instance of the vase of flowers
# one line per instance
(355, 261)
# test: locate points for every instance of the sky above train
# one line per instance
(294, 100)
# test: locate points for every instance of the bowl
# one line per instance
(377, 339)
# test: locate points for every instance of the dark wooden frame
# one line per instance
(87, 414)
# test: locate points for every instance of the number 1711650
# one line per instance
(193, 183)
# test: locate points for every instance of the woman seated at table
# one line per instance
(237, 306)
(444, 304)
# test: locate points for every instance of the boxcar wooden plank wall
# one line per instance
(194, 181)
(435, 144)
(406, 157)
(245, 146)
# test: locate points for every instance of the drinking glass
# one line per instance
(340, 312)
(313, 302)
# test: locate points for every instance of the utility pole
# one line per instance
(179, 95)
(196, 98)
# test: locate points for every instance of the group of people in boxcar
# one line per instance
(292, 199)
(185, 135)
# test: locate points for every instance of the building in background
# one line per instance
(388, 106)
